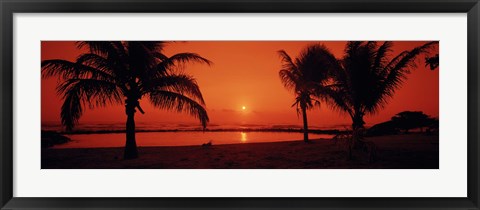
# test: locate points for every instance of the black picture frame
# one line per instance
(10, 7)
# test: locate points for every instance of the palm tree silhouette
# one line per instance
(368, 78)
(124, 72)
(307, 75)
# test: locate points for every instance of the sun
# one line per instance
(244, 108)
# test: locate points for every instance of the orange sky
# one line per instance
(245, 73)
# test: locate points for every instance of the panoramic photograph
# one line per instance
(240, 104)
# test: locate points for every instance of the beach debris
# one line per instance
(207, 144)
(341, 139)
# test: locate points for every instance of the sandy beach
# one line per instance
(393, 152)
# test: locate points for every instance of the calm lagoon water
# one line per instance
(184, 138)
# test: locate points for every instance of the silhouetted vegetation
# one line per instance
(405, 122)
(384, 128)
(124, 72)
(410, 120)
(360, 83)
(367, 79)
(432, 62)
(306, 75)
(51, 138)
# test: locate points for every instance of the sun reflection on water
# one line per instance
(243, 137)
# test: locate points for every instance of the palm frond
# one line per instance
(179, 83)
(168, 65)
(289, 79)
(71, 109)
(67, 70)
(400, 66)
(352, 46)
(140, 59)
(335, 97)
(432, 62)
(80, 92)
(102, 48)
(160, 56)
(180, 59)
(316, 63)
(115, 52)
(101, 64)
(180, 103)
(381, 55)
(296, 104)
(287, 62)
(154, 46)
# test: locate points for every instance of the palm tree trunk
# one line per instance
(357, 121)
(305, 124)
(357, 136)
(130, 144)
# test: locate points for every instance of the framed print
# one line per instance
(229, 105)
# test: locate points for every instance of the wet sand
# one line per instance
(412, 151)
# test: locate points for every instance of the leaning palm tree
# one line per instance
(369, 78)
(306, 74)
(123, 73)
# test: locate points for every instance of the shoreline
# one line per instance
(287, 130)
(411, 151)
(197, 145)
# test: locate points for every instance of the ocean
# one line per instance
(94, 135)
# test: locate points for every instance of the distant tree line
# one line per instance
(404, 122)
